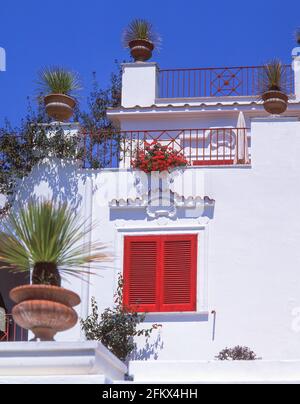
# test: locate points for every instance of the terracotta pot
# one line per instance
(60, 107)
(44, 310)
(275, 102)
(45, 292)
(141, 50)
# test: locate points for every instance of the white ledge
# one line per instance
(30, 359)
(216, 372)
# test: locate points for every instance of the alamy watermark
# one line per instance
(296, 59)
(2, 60)
(296, 320)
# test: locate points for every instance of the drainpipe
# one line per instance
(214, 314)
(88, 218)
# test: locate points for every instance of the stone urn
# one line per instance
(44, 310)
(275, 102)
(60, 106)
(141, 50)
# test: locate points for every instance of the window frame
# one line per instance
(123, 229)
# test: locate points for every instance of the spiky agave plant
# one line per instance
(47, 238)
(141, 29)
(273, 77)
(57, 80)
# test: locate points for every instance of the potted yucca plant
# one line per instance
(58, 86)
(46, 238)
(141, 38)
(273, 87)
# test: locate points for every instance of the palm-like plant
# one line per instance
(273, 77)
(47, 238)
(57, 80)
(140, 29)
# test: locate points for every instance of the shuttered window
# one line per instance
(160, 273)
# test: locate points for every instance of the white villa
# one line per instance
(211, 252)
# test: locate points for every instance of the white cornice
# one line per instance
(252, 109)
(179, 201)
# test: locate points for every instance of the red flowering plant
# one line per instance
(156, 157)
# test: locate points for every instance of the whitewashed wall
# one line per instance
(249, 249)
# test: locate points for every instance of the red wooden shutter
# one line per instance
(160, 273)
(179, 273)
(141, 259)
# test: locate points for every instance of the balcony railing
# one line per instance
(10, 331)
(217, 82)
(201, 147)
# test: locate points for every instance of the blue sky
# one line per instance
(85, 36)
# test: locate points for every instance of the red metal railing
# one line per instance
(217, 82)
(212, 146)
(10, 331)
